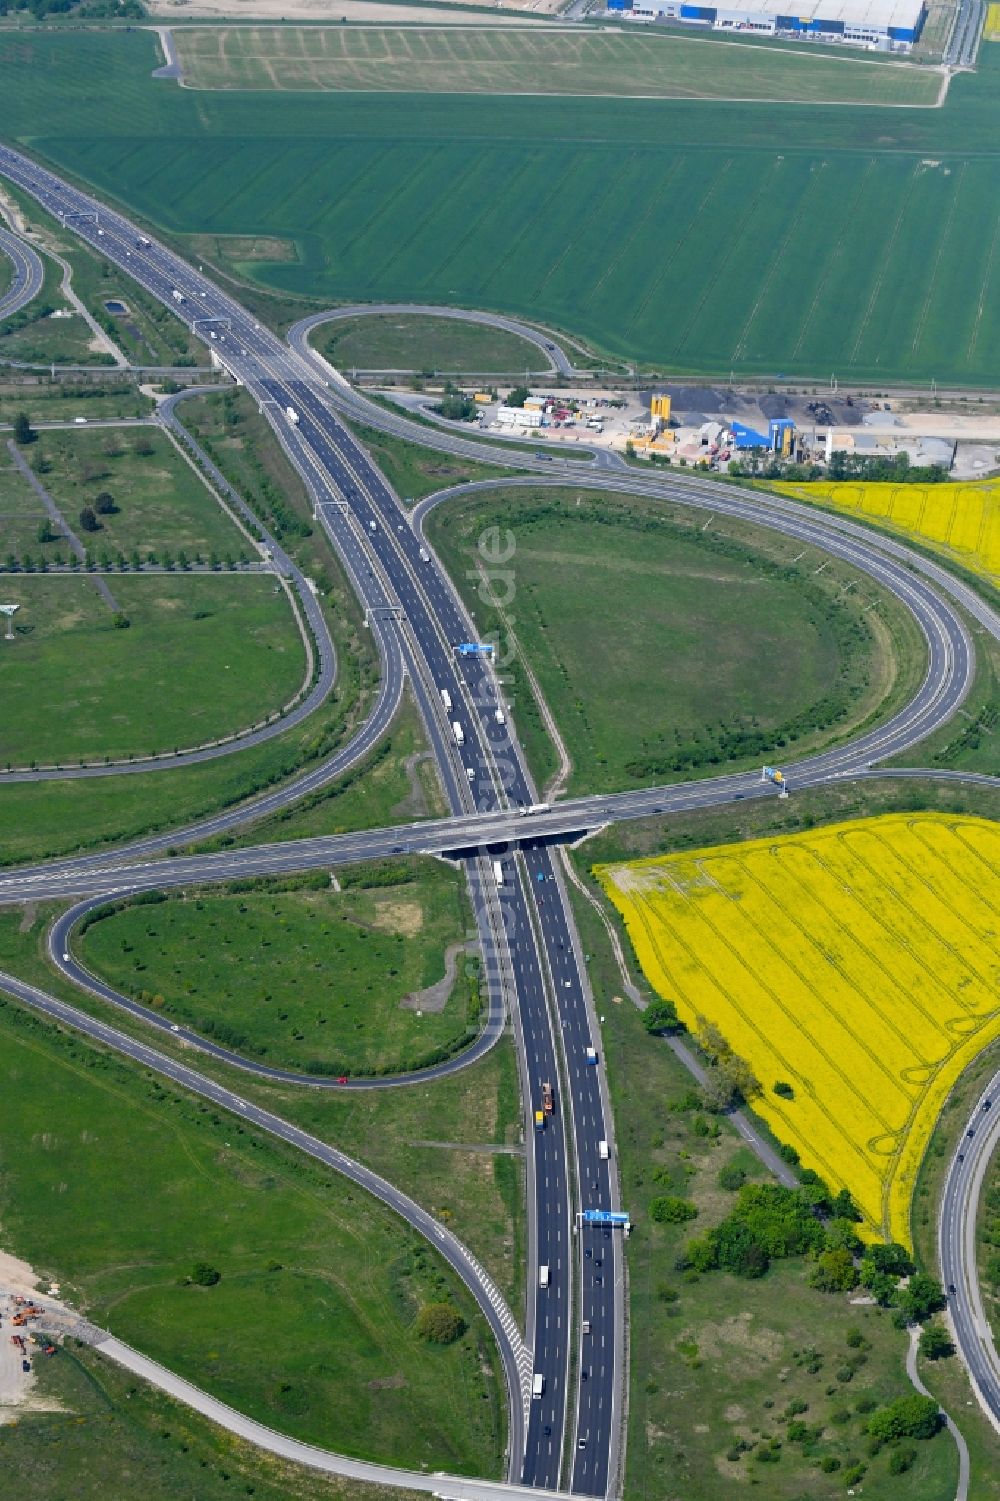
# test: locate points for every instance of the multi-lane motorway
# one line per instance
(530, 950)
(526, 933)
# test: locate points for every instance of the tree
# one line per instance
(205, 1274)
(784, 1090)
(934, 1342)
(440, 1323)
(518, 396)
(921, 1297)
(88, 520)
(908, 1417)
(45, 532)
(23, 431)
(668, 1209)
(104, 505)
(661, 1016)
(842, 1236)
(834, 1272)
(892, 1258)
(121, 621)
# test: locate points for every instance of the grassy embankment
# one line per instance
(322, 980)
(452, 1144)
(666, 649)
(730, 197)
(530, 61)
(110, 1434)
(121, 1187)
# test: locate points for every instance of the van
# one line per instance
(425, 556)
(500, 717)
(602, 1150)
(586, 1326)
(543, 1276)
(79, 421)
(538, 1384)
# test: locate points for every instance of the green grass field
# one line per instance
(414, 471)
(694, 235)
(533, 61)
(111, 1435)
(665, 650)
(716, 1359)
(164, 508)
(204, 655)
(57, 400)
(318, 980)
(118, 1187)
(414, 341)
(438, 1141)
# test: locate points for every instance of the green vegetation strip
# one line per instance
(248, 1270)
(200, 656)
(666, 648)
(370, 979)
(479, 60)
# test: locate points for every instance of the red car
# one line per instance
(342, 1079)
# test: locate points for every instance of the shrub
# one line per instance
(784, 1089)
(205, 1275)
(661, 1016)
(853, 1474)
(668, 1209)
(732, 1176)
(934, 1343)
(440, 1323)
(829, 1463)
(900, 1460)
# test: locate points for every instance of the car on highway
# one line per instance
(342, 1079)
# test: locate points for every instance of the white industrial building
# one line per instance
(884, 25)
(518, 416)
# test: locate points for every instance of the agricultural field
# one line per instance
(417, 341)
(504, 60)
(655, 641)
(721, 1364)
(961, 521)
(856, 966)
(203, 656)
(45, 400)
(163, 507)
(127, 1192)
(991, 26)
(700, 236)
(365, 980)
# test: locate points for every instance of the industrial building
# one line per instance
(883, 25)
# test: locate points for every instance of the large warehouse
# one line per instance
(886, 25)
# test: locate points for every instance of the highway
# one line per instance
(960, 1201)
(29, 273)
(531, 953)
(409, 599)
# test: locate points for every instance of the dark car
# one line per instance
(987, 1104)
(25, 1365)
(952, 1289)
(547, 1430)
(970, 1133)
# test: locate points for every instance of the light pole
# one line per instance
(9, 611)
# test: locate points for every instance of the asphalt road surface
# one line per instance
(29, 273)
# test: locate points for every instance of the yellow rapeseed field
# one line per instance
(991, 29)
(962, 521)
(860, 963)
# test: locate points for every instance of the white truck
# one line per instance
(500, 716)
(538, 1384)
(292, 416)
(498, 872)
(602, 1150)
(177, 296)
(543, 1276)
(458, 732)
(446, 698)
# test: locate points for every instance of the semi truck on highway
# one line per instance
(548, 1099)
(602, 1150)
(543, 1276)
(498, 872)
(458, 732)
(177, 296)
(446, 698)
(538, 1384)
(292, 416)
(534, 808)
